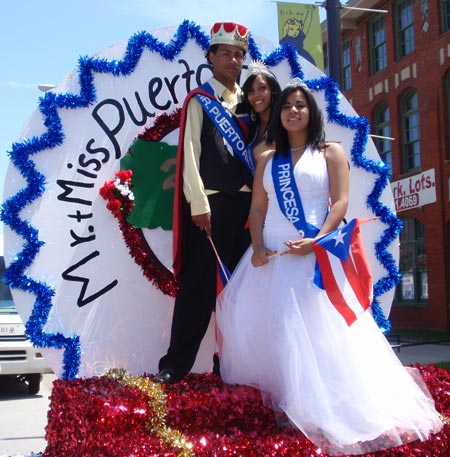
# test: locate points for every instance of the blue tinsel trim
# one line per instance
(48, 105)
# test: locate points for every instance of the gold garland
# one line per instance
(157, 403)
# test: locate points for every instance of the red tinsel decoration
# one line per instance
(121, 206)
(98, 417)
(163, 125)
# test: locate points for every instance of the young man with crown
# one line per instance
(212, 197)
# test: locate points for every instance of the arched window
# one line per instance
(382, 128)
(413, 288)
(409, 112)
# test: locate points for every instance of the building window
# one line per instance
(445, 15)
(409, 111)
(382, 128)
(358, 51)
(413, 287)
(404, 22)
(378, 47)
(424, 9)
(447, 89)
(346, 66)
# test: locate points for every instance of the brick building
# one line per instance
(396, 72)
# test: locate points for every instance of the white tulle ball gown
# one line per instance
(342, 386)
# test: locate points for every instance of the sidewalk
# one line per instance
(423, 354)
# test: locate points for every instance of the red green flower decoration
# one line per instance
(141, 196)
(118, 194)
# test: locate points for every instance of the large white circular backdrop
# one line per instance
(75, 284)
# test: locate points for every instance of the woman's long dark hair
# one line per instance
(316, 133)
(275, 91)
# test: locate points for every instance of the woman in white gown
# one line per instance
(341, 385)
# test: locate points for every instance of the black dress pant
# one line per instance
(196, 297)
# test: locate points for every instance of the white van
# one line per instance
(18, 358)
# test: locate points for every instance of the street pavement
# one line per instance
(23, 417)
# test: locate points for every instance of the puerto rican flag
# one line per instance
(222, 277)
(344, 270)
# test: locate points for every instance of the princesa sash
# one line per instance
(290, 202)
(226, 125)
(288, 196)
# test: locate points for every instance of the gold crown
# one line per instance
(229, 33)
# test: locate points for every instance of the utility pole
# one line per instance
(333, 8)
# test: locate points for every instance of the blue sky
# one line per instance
(41, 41)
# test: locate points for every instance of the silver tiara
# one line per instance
(297, 82)
(257, 67)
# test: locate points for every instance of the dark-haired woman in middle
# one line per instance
(260, 92)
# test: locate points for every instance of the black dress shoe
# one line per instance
(216, 365)
(167, 376)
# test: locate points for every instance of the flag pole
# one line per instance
(218, 258)
(334, 40)
(271, 256)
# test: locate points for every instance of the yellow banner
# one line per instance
(299, 26)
